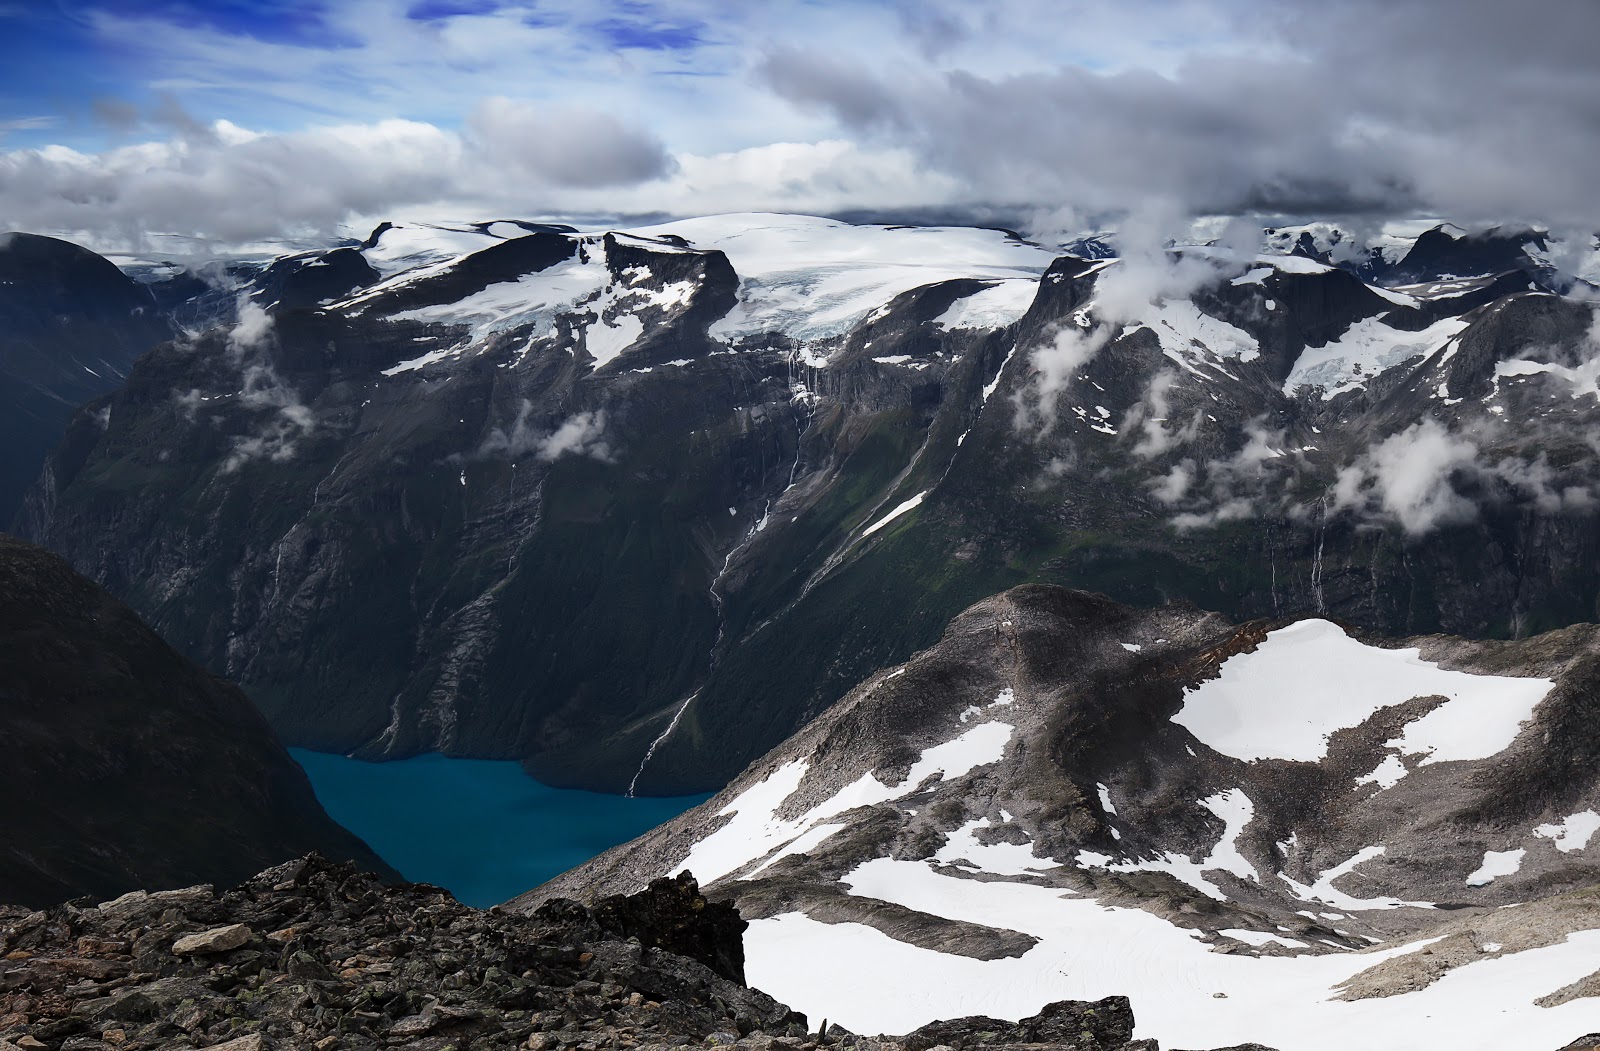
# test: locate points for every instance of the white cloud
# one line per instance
(26, 124)
(1057, 363)
(1147, 274)
(253, 327)
(1235, 509)
(1408, 477)
(1415, 477)
(283, 418)
(1013, 107)
(1229, 488)
(581, 434)
(1173, 486)
(1150, 417)
(237, 187)
(230, 188)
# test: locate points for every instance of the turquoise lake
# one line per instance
(483, 830)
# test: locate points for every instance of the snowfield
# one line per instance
(813, 278)
(1366, 348)
(1002, 303)
(1338, 683)
(805, 277)
(1087, 951)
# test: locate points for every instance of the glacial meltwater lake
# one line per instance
(482, 829)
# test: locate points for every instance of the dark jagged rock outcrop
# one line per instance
(314, 954)
(1105, 1025)
(124, 765)
(672, 914)
(302, 282)
(1443, 251)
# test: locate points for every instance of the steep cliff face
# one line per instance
(1283, 831)
(633, 506)
(71, 325)
(123, 764)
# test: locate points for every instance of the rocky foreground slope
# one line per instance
(124, 765)
(442, 488)
(314, 955)
(1287, 832)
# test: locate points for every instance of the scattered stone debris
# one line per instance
(318, 955)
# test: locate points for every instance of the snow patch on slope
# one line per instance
(756, 830)
(1188, 334)
(1310, 679)
(997, 306)
(1573, 833)
(1496, 863)
(1323, 890)
(582, 285)
(900, 509)
(1235, 810)
(406, 246)
(1001, 859)
(1367, 348)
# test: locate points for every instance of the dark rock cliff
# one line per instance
(124, 765)
(71, 325)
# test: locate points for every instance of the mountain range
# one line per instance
(1302, 755)
(633, 506)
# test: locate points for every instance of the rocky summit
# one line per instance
(316, 955)
(632, 506)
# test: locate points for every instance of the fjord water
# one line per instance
(482, 829)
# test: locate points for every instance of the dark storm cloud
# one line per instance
(1479, 109)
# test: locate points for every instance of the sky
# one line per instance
(224, 122)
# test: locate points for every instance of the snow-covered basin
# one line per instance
(1088, 950)
(1310, 679)
(812, 277)
(1365, 349)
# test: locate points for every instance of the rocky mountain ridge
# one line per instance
(1282, 831)
(441, 489)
